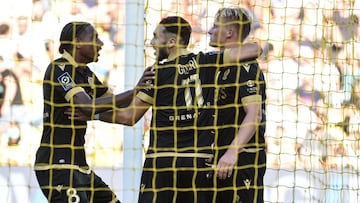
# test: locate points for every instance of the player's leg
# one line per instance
(193, 180)
(55, 185)
(250, 176)
(157, 181)
(99, 191)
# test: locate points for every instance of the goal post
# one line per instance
(134, 66)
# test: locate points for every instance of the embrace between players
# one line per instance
(208, 116)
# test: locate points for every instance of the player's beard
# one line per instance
(162, 54)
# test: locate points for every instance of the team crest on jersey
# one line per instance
(66, 81)
(250, 83)
(226, 74)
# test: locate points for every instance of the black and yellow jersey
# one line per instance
(239, 85)
(63, 139)
(182, 101)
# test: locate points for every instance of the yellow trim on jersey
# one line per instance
(251, 99)
(69, 58)
(226, 56)
(62, 166)
(176, 154)
(144, 97)
(250, 150)
(69, 95)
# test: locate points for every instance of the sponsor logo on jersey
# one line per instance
(59, 187)
(66, 81)
(142, 188)
(184, 117)
(247, 183)
(246, 66)
(62, 66)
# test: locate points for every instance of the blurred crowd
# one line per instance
(312, 64)
(311, 59)
(29, 37)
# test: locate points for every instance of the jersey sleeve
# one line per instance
(213, 58)
(252, 82)
(64, 83)
(147, 94)
(100, 89)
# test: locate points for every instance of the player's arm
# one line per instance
(252, 107)
(128, 115)
(249, 50)
(246, 130)
(90, 106)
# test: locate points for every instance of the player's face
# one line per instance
(218, 33)
(88, 46)
(159, 43)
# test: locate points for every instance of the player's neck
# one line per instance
(177, 53)
(231, 44)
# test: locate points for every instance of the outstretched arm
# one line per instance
(89, 107)
(126, 116)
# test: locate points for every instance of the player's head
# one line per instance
(80, 39)
(171, 32)
(230, 25)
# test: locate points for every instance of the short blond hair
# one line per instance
(238, 17)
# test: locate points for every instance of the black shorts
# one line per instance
(65, 185)
(247, 181)
(169, 179)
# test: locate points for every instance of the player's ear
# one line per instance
(172, 42)
(229, 32)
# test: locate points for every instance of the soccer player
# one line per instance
(60, 166)
(240, 144)
(178, 160)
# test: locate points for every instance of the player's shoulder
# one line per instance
(61, 63)
(209, 57)
(58, 66)
(251, 67)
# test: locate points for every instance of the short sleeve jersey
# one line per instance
(182, 98)
(237, 87)
(63, 139)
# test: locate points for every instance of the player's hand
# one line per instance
(147, 79)
(225, 166)
(75, 114)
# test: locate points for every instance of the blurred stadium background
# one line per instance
(311, 61)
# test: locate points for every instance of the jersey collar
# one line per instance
(69, 58)
(180, 52)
